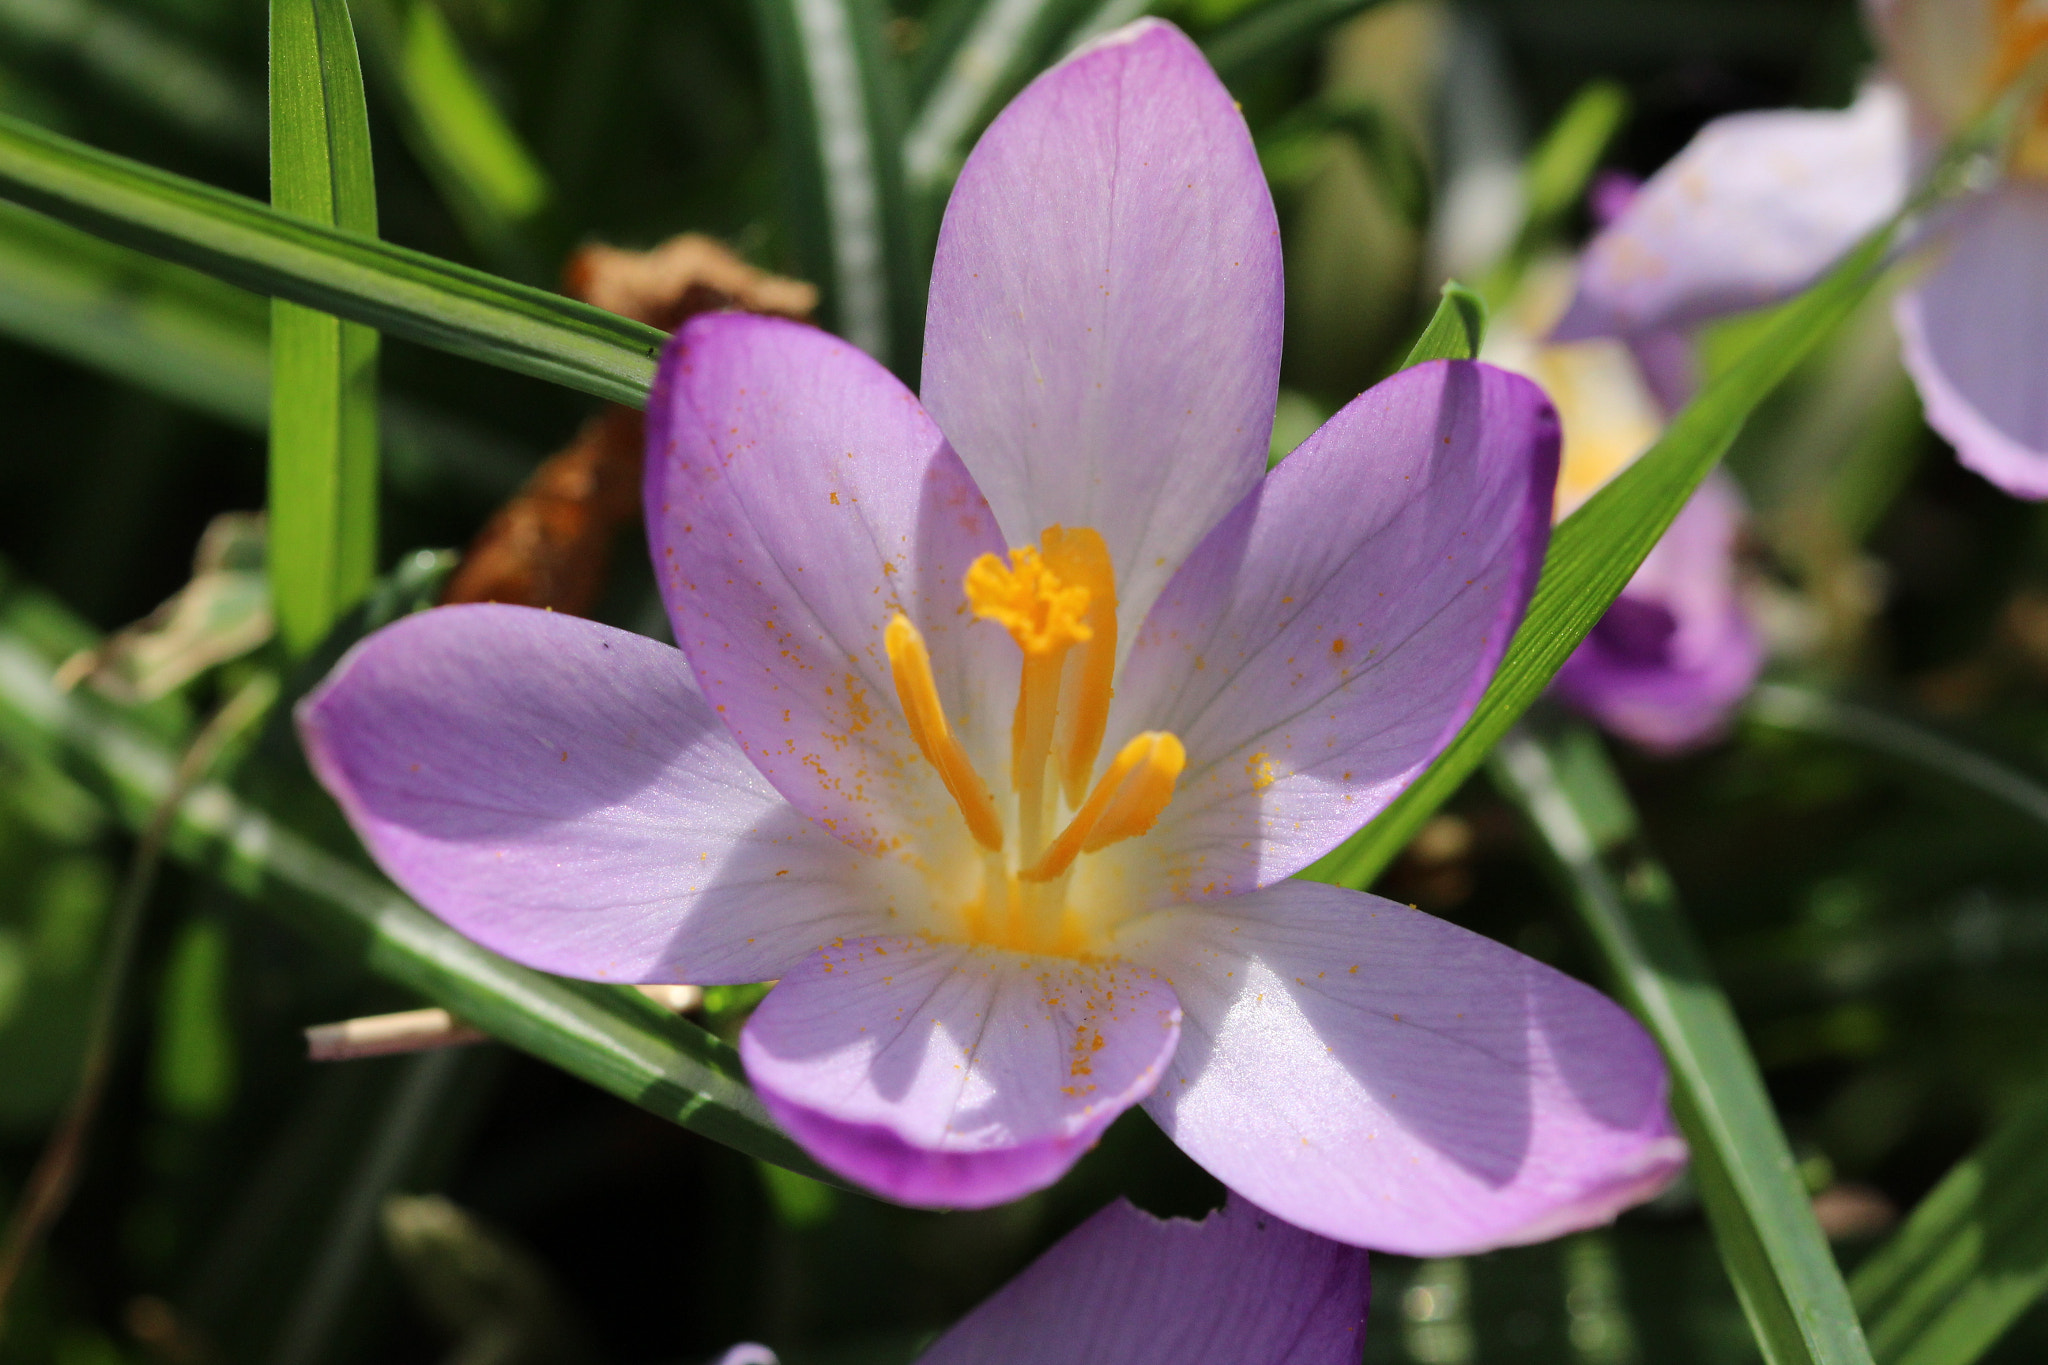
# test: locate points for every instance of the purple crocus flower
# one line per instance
(1238, 1288)
(1677, 651)
(1013, 827)
(1760, 204)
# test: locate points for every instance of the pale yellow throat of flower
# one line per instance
(1057, 600)
(2022, 45)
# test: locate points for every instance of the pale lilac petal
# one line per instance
(1677, 652)
(1240, 1287)
(1943, 52)
(558, 791)
(1332, 634)
(1103, 338)
(1974, 332)
(951, 1075)
(749, 1353)
(1752, 211)
(797, 498)
(1382, 1077)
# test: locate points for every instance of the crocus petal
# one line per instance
(945, 1074)
(1752, 211)
(1944, 52)
(1103, 338)
(1974, 333)
(1677, 652)
(1332, 634)
(1382, 1077)
(1125, 1288)
(558, 791)
(797, 498)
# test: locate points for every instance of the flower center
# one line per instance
(1058, 601)
(2022, 36)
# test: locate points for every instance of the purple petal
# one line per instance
(1332, 634)
(797, 498)
(1103, 339)
(956, 1076)
(1382, 1077)
(1975, 338)
(1677, 652)
(1238, 1288)
(1752, 211)
(557, 790)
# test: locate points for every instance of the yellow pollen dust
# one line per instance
(1058, 601)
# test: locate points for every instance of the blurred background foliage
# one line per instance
(1876, 911)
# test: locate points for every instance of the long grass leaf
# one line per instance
(1773, 1250)
(1274, 32)
(611, 1036)
(839, 104)
(1971, 1259)
(400, 292)
(490, 181)
(175, 332)
(1008, 40)
(1595, 552)
(323, 371)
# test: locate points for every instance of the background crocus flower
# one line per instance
(1677, 651)
(1000, 721)
(1760, 204)
(1238, 1288)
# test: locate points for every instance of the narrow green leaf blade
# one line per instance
(1455, 330)
(1275, 31)
(1971, 1259)
(1555, 178)
(1773, 1250)
(484, 171)
(1597, 549)
(1007, 41)
(839, 103)
(323, 375)
(611, 1036)
(400, 292)
(179, 334)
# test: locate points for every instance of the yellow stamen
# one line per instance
(1046, 616)
(1124, 804)
(2022, 28)
(1080, 557)
(1025, 597)
(910, 663)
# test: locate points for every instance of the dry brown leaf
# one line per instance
(682, 277)
(550, 546)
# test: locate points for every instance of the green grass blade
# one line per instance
(1455, 330)
(490, 181)
(1275, 31)
(1595, 552)
(1971, 1259)
(323, 371)
(401, 293)
(175, 83)
(1773, 1250)
(1555, 177)
(179, 334)
(1008, 41)
(1796, 708)
(839, 105)
(611, 1036)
